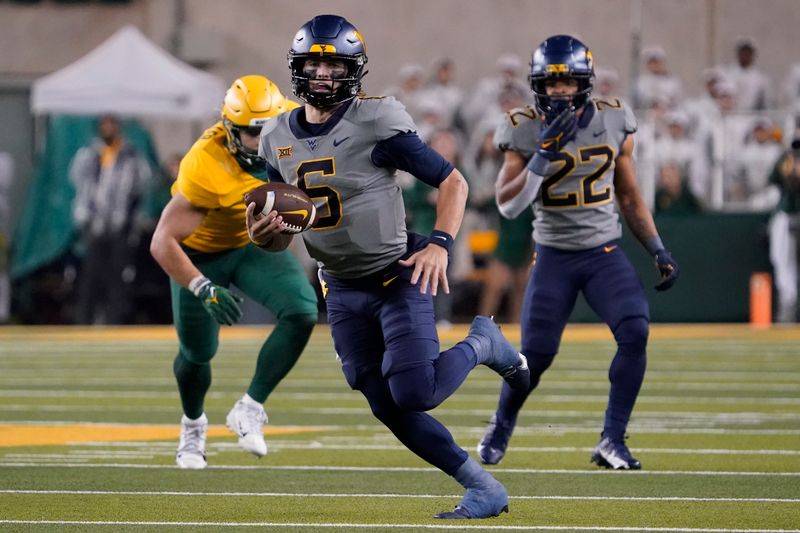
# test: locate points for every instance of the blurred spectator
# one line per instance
(673, 196)
(509, 266)
(6, 177)
(510, 74)
(704, 110)
(443, 91)
(752, 84)
(656, 83)
(753, 166)
(410, 81)
(675, 145)
(606, 84)
(109, 176)
(152, 284)
(784, 227)
(791, 89)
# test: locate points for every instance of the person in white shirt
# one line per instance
(656, 83)
(752, 84)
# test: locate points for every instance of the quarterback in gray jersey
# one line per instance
(571, 157)
(343, 150)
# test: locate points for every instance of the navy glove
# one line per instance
(218, 301)
(668, 270)
(552, 139)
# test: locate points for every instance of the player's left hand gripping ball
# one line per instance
(291, 203)
(668, 270)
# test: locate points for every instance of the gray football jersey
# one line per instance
(362, 227)
(574, 208)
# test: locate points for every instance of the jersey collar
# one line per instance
(302, 128)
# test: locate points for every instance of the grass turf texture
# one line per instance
(88, 429)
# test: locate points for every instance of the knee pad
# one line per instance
(631, 336)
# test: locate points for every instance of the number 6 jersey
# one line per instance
(574, 207)
(362, 228)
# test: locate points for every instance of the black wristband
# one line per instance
(441, 238)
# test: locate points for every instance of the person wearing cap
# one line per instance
(482, 102)
(656, 83)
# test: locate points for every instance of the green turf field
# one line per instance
(88, 430)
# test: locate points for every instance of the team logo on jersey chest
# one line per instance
(312, 144)
(285, 152)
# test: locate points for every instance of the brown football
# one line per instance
(296, 208)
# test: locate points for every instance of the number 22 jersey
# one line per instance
(574, 208)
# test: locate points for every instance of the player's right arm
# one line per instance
(178, 220)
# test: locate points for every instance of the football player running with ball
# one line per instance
(343, 150)
(571, 157)
(201, 242)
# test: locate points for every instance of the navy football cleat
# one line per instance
(612, 453)
(492, 447)
(494, 351)
(485, 502)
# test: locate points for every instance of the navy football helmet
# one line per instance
(328, 37)
(561, 57)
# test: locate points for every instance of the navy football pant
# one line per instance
(386, 340)
(613, 290)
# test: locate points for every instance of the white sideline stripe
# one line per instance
(460, 527)
(535, 430)
(146, 450)
(348, 396)
(414, 469)
(388, 495)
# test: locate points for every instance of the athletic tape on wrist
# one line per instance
(197, 284)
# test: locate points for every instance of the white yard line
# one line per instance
(459, 527)
(382, 495)
(314, 468)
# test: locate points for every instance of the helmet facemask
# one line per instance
(552, 106)
(247, 157)
(345, 86)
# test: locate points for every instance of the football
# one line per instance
(296, 208)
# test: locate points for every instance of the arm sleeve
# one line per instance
(406, 151)
(273, 174)
(515, 206)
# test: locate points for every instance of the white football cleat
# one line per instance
(192, 446)
(247, 419)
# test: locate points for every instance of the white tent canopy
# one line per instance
(129, 75)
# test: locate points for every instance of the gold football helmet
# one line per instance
(249, 102)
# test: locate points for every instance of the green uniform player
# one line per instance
(201, 241)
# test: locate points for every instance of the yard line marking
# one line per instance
(349, 396)
(312, 468)
(459, 527)
(528, 430)
(386, 495)
(47, 434)
(317, 445)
